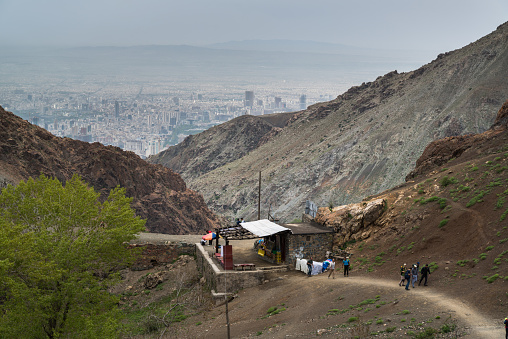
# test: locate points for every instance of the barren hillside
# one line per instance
(359, 144)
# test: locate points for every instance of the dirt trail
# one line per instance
(481, 326)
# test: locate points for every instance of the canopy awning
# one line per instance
(263, 228)
(251, 230)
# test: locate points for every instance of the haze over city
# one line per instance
(394, 24)
(144, 75)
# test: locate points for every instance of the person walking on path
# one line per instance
(425, 271)
(332, 269)
(310, 265)
(414, 275)
(407, 277)
(346, 266)
(506, 326)
(402, 273)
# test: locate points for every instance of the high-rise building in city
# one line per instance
(117, 109)
(249, 98)
(303, 101)
(277, 102)
(154, 147)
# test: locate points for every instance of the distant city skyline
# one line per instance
(392, 24)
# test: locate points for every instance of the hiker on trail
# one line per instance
(310, 265)
(506, 326)
(402, 273)
(345, 262)
(332, 269)
(237, 221)
(425, 271)
(414, 275)
(407, 277)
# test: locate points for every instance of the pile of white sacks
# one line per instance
(301, 265)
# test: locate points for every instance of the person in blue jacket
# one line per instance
(345, 262)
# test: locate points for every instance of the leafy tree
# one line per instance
(60, 251)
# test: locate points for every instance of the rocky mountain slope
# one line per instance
(452, 211)
(221, 144)
(364, 141)
(160, 195)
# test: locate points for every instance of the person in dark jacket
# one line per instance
(506, 326)
(425, 272)
(407, 276)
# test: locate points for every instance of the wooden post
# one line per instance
(217, 240)
(259, 197)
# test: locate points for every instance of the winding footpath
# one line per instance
(481, 326)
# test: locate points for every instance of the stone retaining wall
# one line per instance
(228, 281)
(161, 254)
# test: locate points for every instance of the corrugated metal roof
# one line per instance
(263, 228)
(308, 228)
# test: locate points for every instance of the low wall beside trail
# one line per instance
(160, 254)
(228, 281)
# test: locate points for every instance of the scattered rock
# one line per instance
(152, 280)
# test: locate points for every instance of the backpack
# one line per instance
(407, 275)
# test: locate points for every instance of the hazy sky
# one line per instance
(439, 25)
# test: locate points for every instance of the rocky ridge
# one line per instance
(160, 195)
(219, 145)
(364, 141)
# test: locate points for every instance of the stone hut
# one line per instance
(308, 240)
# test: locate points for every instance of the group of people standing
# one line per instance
(329, 264)
(410, 275)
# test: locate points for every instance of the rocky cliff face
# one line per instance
(160, 195)
(367, 139)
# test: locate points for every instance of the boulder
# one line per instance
(351, 222)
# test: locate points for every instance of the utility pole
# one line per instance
(259, 197)
(227, 316)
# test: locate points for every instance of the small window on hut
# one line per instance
(308, 238)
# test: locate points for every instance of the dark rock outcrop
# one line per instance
(160, 195)
(441, 151)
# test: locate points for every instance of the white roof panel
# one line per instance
(263, 228)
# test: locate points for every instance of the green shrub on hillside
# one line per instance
(462, 263)
(443, 223)
(445, 181)
(493, 278)
(477, 198)
(433, 266)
